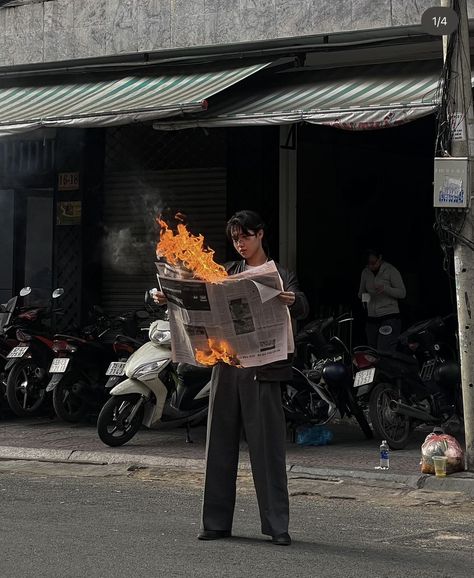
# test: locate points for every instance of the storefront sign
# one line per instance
(69, 213)
(68, 181)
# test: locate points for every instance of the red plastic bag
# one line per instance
(441, 444)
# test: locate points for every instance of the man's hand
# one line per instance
(379, 289)
(159, 298)
(287, 297)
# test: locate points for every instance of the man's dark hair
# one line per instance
(375, 251)
(246, 221)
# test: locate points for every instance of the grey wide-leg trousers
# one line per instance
(239, 401)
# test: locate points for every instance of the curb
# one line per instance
(462, 482)
(412, 481)
(96, 458)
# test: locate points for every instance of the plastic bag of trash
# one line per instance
(438, 443)
(313, 435)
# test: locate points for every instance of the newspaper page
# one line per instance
(241, 310)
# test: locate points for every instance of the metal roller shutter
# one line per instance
(132, 200)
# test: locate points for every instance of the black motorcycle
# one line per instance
(125, 344)
(321, 387)
(419, 383)
(83, 365)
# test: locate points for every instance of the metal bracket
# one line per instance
(290, 143)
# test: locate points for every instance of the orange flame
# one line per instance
(185, 249)
(218, 351)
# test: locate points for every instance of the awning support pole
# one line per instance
(461, 102)
(288, 196)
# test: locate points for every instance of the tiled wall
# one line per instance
(55, 30)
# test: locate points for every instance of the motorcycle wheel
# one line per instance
(357, 412)
(67, 405)
(388, 425)
(111, 427)
(26, 388)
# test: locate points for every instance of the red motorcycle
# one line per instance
(29, 360)
(7, 342)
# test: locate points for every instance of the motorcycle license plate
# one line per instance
(364, 377)
(17, 352)
(116, 368)
(59, 365)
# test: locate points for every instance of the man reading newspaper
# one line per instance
(252, 315)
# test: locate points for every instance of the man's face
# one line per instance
(247, 245)
(374, 262)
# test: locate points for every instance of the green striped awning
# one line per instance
(113, 101)
(354, 98)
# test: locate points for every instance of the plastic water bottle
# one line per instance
(384, 455)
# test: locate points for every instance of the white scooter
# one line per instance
(157, 391)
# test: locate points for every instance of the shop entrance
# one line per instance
(362, 189)
(26, 238)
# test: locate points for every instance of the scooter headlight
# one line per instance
(152, 367)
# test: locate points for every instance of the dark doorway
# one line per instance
(33, 242)
(6, 244)
(359, 189)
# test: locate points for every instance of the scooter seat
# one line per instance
(127, 339)
(185, 370)
(408, 359)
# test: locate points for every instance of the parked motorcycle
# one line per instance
(418, 383)
(77, 372)
(322, 378)
(29, 359)
(126, 343)
(157, 392)
(123, 346)
(7, 343)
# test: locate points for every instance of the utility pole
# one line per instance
(460, 102)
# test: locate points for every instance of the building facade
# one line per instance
(321, 115)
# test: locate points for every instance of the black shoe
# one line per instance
(282, 539)
(213, 534)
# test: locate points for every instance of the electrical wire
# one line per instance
(449, 224)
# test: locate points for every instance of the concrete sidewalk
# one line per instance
(349, 455)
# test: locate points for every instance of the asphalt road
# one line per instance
(101, 521)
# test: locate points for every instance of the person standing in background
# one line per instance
(381, 287)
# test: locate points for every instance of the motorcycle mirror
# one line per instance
(58, 292)
(25, 291)
(149, 294)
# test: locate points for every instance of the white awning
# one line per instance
(113, 101)
(356, 98)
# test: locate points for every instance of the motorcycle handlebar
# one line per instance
(344, 318)
(335, 339)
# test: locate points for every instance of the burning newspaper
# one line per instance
(237, 320)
